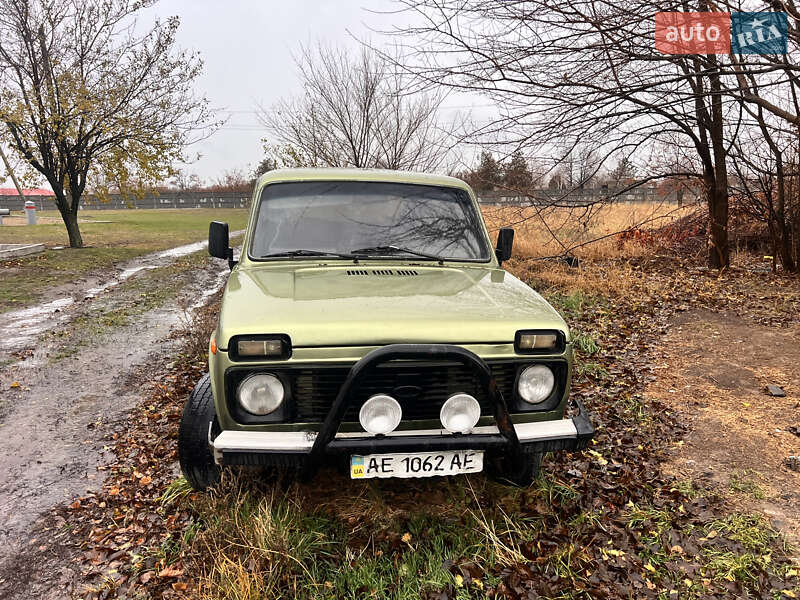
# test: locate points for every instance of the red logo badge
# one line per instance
(693, 32)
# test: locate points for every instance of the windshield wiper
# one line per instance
(394, 250)
(307, 253)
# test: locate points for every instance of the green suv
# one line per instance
(369, 322)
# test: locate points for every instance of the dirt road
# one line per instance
(56, 412)
(741, 436)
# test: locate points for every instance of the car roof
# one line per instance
(304, 174)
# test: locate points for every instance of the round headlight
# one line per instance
(460, 413)
(261, 394)
(380, 414)
(536, 384)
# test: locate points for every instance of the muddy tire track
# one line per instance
(54, 424)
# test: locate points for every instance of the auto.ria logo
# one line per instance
(721, 33)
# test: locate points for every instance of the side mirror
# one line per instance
(219, 242)
(505, 241)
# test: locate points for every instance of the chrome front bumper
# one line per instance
(232, 447)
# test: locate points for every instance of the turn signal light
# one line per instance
(256, 347)
(539, 342)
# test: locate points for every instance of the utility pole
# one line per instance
(11, 172)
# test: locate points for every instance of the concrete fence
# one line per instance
(163, 200)
(544, 197)
(585, 197)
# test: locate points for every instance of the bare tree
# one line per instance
(355, 112)
(186, 182)
(765, 164)
(587, 73)
(82, 93)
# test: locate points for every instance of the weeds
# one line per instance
(726, 561)
(743, 483)
(554, 491)
(750, 530)
(591, 369)
(255, 543)
(585, 344)
(177, 490)
(648, 517)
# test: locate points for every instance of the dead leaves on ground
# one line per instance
(619, 529)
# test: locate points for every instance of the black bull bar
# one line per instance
(326, 442)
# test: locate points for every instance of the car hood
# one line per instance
(374, 305)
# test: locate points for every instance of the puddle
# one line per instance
(125, 274)
(218, 282)
(182, 250)
(21, 327)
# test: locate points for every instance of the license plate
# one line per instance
(418, 464)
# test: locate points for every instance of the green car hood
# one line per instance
(372, 305)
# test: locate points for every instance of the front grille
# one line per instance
(420, 388)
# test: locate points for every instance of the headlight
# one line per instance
(261, 394)
(460, 413)
(536, 384)
(380, 414)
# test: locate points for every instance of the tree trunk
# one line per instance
(718, 249)
(783, 226)
(70, 218)
(74, 232)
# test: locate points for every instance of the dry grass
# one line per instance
(554, 231)
(589, 234)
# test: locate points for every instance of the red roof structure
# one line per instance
(34, 192)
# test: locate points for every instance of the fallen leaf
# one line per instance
(170, 572)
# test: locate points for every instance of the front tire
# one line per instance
(194, 454)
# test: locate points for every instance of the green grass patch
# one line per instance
(726, 561)
(743, 482)
(585, 344)
(143, 292)
(151, 229)
(131, 233)
(259, 543)
(572, 304)
(591, 369)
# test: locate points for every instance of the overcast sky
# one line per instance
(248, 48)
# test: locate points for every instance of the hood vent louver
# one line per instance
(383, 272)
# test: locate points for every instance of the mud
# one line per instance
(19, 328)
(56, 415)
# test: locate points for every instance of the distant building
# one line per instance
(33, 192)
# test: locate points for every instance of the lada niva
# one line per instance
(369, 321)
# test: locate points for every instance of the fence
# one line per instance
(543, 197)
(585, 197)
(163, 200)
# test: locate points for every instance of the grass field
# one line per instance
(555, 231)
(110, 237)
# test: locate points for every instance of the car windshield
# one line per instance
(368, 219)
